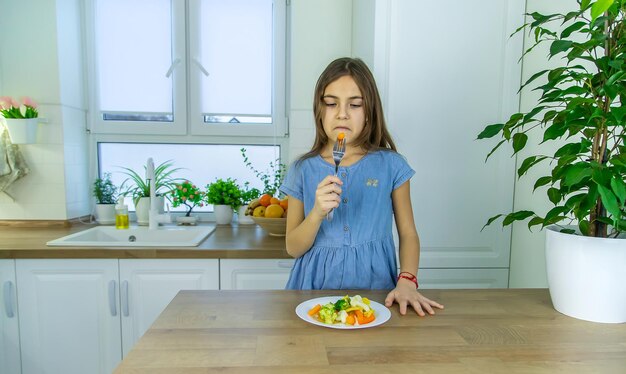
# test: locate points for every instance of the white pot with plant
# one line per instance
(21, 119)
(190, 196)
(581, 108)
(139, 188)
(105, 193)
(225, 195)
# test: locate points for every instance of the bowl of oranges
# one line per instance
(270, 213)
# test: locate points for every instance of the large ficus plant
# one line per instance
(582, 106)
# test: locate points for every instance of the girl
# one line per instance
(354, 250)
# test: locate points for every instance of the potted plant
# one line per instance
(138, 187)
(272, 178)
(105, 193)
(581, 107)
(225, 195)
(190, 196)
(247, 195)
(21, 119)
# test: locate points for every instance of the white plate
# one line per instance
(382, 313)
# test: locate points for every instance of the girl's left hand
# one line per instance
(406, 294)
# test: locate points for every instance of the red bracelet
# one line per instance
(408, 276)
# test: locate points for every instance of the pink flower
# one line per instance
(5, 102)
(29, 102)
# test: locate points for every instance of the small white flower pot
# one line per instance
(22, 130)
(223, 214)
(105, 214)
(184, 220)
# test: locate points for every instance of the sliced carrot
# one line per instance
(367, 319)
(350, 319)
(362, 319)
(340, 136)
(359, 316)
(314, 310)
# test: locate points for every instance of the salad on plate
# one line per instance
(349, 310)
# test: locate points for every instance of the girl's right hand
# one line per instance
(327, 195)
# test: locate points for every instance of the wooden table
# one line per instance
(480, 331)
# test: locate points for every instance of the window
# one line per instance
(199, 163)
(192, 81)
(188, 67)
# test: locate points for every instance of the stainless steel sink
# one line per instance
(109, 236)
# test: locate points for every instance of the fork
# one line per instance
(339, 150)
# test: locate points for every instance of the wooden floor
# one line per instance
(480, 331)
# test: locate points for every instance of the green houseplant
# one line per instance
(138, 187)
(224, 192)
(104, 190)
(581, 107)
(105, 193)
(187, 194)
(225, 195)
(272, 178)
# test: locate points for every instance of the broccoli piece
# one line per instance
(341, 304)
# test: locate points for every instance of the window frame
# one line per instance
(186, 90)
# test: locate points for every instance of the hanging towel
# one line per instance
(12, 163)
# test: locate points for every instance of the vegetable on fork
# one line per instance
(339, 150)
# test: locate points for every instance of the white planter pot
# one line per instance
(105, 214)
(23, 130)
(587, 276)
(223, 214)
(142, 209)
(184, 220)
(241, 216)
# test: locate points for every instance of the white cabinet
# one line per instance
(254, 274)
(9, 329)
(69, 316)
(81, 316)
(435, 106)
(463, 278)
(147, 286)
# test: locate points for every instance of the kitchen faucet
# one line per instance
(154, 218)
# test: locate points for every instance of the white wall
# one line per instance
(321, 32)
(528, 248)
(40, 57)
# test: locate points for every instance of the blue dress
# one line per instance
(356, 249)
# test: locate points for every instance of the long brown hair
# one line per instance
(374, 134)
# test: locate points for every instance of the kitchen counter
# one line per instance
(491, 331)
(244, 241)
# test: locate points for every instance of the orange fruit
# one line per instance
(259, 211)
(274, 211)
(284, 203)
(265, 200)
(274, 200)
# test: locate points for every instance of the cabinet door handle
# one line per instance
(124, 291)
(112, 297)
(285, 264)
(8, 299)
